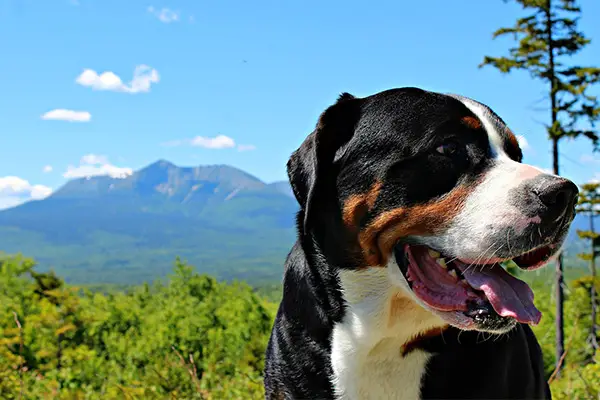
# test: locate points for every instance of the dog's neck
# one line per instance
(372, 353)
(385, 311)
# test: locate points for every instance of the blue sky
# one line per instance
(236, 82)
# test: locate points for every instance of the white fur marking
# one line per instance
(366, 346)
(496, 144)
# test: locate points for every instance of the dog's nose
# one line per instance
(559, 197)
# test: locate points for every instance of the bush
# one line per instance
(191, 337)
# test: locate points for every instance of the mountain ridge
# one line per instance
(165, 175)
(219, 217)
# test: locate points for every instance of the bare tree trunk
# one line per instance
(593, 333)
(560, 334)
(560, 296)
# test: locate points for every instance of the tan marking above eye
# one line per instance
(471, 122)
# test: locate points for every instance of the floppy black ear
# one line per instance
(309, 166)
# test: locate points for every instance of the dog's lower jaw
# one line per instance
(367, 345)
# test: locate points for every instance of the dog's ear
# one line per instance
(309, 166)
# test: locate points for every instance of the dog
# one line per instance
(410, 203)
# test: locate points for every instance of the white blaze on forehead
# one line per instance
(480, 228)
(496, 141)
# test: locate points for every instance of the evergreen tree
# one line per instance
(546, 39)
(589, 204)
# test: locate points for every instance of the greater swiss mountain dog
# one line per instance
(410, 202)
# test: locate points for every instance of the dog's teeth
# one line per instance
(442, 263)
(434, 253)
(453, 273)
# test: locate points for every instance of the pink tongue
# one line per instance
(509, 296)
(432, 283)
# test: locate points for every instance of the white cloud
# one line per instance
(165, 15)
(217, 142)
(86, 171)
(10, 201)
(96, 165)
(246, 147)
(47, 169)
(61, 114)
(15, 190)
(143, 78)
(523, 143)
(39, 192)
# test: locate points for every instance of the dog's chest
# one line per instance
(382, 374)
(367, 345)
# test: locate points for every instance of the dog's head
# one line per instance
(431, 187)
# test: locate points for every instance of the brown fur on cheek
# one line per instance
(379, 237)
(354, 209)
(357, 206)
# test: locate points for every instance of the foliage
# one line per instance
(271, 291)
(191, 337)
(578, 382)
(580, 375)
(588, 204)
(546, 39)
(577, 322)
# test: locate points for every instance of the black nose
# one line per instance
(558, 195)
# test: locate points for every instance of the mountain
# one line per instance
(223, 220)
(102, 229)
(574, 244)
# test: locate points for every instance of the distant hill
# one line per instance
(109, 230)
(575, 245)
(102, 229)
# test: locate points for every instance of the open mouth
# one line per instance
(480, 292)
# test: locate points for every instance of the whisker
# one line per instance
(492, 256)
(480, 257)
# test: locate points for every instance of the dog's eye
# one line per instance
(448, 148)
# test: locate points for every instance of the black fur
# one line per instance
(474, 365)
(389, 137)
